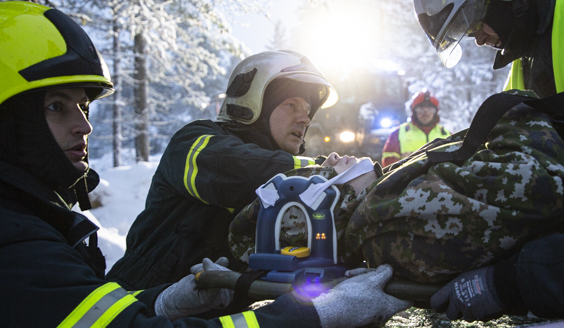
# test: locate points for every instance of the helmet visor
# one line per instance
(446, 28)
(327, 94)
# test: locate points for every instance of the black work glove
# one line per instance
(471, 295)
(378, 169)
(320, 159)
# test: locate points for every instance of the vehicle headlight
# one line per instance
(386, 123)
(346, 136)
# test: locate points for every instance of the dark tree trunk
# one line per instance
(141, 106)
(117, 137)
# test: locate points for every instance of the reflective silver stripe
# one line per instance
(245, 319)
(99, 308)
(301, 161)
(239, 321)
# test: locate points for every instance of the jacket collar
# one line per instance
(27, 192)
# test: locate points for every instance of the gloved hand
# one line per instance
(184, 298)
(471, 295)
(359, 300)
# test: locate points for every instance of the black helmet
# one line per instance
(446, 22)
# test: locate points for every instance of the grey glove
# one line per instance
(184, 299)
(471, 295)
(359, 300)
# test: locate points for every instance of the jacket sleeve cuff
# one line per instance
(287, 311)
(149, 296)
(505, 280)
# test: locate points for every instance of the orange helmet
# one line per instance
(424, 97)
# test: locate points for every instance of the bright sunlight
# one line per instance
(343, 35)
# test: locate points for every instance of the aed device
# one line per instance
(317, 261)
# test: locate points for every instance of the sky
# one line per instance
(256, 30)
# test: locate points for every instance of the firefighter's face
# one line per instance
(65, 112)
(288, 123)
(425, 113)
(487, 36)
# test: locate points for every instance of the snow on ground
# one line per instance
(121, 192)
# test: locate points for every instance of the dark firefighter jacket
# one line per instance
(207, 174)
(537, 65)
(49, 278)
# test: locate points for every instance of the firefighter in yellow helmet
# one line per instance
(50, 71)
(410, 136)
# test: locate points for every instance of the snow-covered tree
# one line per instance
(278, 40)
(165, 52)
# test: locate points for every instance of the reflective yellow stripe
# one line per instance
(300, 161)
(246, 319)
(113, 311)
(135, 293)
(390, 154)
(99, 308)
(191, 169)
(558, 45)
(226, 322)
(251, 319)
(515, 79)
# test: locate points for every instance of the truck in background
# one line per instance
(371, 105)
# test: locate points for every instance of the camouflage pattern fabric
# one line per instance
(293, 226)
(433, 221)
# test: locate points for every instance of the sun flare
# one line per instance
(342, 34)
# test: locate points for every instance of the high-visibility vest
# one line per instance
(516, 80)
(411, 137)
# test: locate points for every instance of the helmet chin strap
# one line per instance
(81, 190)
(302, 148)
(303, 145)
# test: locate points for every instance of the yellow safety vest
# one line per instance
(411, 137)
(515, 79)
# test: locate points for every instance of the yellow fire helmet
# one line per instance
(249, 79)
(41, 48)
